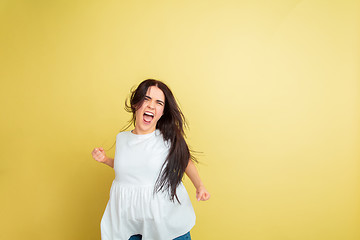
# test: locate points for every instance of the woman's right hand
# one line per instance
(99, 155)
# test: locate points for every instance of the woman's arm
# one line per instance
(109, 161)
(192, 173)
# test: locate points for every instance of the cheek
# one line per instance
(160, 111)
(140, 109)
(138, 113)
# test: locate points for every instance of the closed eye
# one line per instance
(160, 102)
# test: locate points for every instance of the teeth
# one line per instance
(149, 114)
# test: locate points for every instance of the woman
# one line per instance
(147, 197)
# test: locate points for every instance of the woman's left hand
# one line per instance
(202, 194)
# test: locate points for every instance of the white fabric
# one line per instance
(132, 207)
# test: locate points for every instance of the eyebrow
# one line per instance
(156, 100)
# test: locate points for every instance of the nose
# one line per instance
(151, 105)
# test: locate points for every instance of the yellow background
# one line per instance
(270, 90)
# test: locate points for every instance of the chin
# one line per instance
(146, 128)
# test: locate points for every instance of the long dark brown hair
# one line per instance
(171, 125)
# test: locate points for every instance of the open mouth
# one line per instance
(148, 117)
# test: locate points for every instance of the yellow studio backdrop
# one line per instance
(270, 90)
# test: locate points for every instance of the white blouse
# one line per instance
(133, 208)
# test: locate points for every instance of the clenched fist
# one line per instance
(99, 154)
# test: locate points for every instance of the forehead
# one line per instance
(156, 93)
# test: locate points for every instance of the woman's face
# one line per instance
(150, 112)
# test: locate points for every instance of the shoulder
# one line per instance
(160, 136)
(123, 134)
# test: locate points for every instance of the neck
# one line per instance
(141, 132)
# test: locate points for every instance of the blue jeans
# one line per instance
(186, 236)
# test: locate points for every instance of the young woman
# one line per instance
(147, 197)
